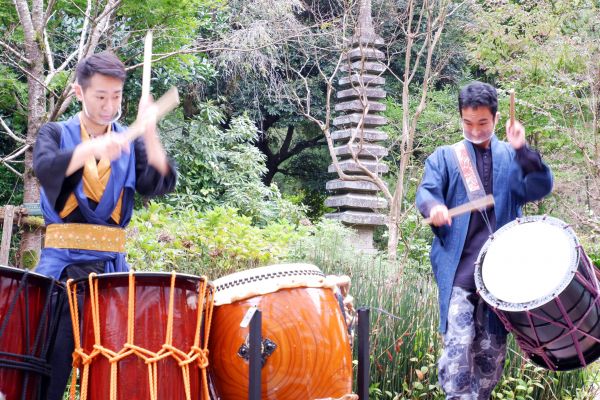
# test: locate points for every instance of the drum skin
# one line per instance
(312, 359)
(19, 330)
(152, 293)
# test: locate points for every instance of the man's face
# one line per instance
(101, 99)
(478, 124)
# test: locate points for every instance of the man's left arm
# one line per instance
(155, 173)
(149, 180)
(530, 177)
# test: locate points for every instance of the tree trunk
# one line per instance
(595, 89)
(32, 23)
(30, 246)
(396, 206)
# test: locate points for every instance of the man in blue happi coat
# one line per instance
(474, 339)
(89, 172)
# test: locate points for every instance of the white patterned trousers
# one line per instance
(473, 359)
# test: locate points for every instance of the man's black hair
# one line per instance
(478, 94)
(105, 63)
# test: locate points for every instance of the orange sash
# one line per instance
(95, 179)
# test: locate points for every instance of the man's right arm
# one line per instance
(430, 194)
(50, 163)
(108, 145)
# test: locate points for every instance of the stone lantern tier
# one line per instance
(357, 148)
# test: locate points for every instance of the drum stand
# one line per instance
(255, 349)
(363, 353)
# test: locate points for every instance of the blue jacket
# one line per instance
(122, 178)
(442, 184)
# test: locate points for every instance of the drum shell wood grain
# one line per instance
(152, 293)
(27, 330)
(313, 357)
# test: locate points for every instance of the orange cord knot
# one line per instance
(201, 356)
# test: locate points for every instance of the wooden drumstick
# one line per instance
(165, 104)
(483, 202)
(162, 106)
(147, 65)
(512, 108)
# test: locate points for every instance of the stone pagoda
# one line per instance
(356, 201)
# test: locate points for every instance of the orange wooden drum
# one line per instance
(142, 336)
(306, 346)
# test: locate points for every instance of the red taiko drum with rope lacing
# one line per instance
(141, 335)
(536, 277)
(29, 309)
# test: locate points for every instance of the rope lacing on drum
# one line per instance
(198, 353)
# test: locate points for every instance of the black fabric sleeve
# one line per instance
(529, 160)
(50, 164)
(150, 182)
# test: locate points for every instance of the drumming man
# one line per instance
(89, 173)
(474, 339)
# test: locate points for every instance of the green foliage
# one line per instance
(533, 39)
(13, 91)
(220, 166)
(179, 17)
(304, 178)
(59, 82)
(439, 123)
(205, 243)
(30, 259)
(218, 241)
(8, 14)
(423, 386)
(328, 244)
(312, 201)
(11, 191)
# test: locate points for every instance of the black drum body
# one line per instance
(535, 275)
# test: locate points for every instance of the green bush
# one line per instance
(220, 167)
(210, 243)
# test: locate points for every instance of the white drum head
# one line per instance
(259, 281)
(527, 263)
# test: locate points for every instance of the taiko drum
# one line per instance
(306, 348)
(28, 322)
(536, 276)
(141, 335)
